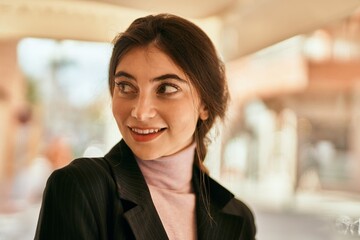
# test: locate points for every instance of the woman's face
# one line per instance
(155, 105)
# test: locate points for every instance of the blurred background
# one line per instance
(290, 147)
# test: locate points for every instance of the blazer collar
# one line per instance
(134, 194)
(216, 218)
(212, 204)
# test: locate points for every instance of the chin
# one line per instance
(145, 153)
(147, 156)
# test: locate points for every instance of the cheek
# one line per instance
(184, 117)
(119, 111)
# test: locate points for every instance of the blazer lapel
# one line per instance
(215, 219)
(215, 216)
(134, 194)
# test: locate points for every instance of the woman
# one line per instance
(168, 88)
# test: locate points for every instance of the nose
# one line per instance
(143, 108)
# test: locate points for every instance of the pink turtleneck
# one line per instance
(170, 182)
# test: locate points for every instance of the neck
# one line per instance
(172, 172)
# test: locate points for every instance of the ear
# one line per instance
(203, 112)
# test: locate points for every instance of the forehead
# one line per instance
(150, 59)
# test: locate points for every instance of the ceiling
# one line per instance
(238, 27)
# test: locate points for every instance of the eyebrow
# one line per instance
(159, 78)
(123, 74)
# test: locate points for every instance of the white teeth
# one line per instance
(144, 131)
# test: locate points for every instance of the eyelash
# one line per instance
(122, 84)
(164, 85)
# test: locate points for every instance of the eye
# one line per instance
(167, 89)
(126, 87)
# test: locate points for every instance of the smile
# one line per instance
(145, 135)
(145, 131)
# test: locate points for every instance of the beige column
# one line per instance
(354, 139)
(12, 97)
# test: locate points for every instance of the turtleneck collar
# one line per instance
(172, 172)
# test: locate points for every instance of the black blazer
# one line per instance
(108, 199)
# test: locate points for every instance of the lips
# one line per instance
(145, 134)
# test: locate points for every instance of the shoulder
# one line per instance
(231, 205)
(90, 165)
(77, 201)
(83, 174)
(84, 167)
(239, 208)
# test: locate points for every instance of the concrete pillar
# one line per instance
(355, 139)
(12, 98)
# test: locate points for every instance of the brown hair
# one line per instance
(192, 50)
